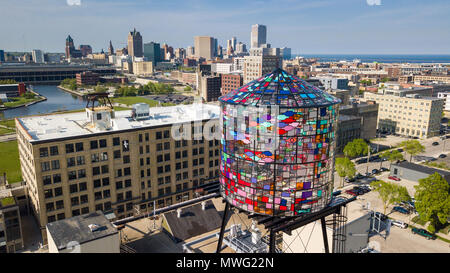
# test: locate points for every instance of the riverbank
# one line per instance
(74, 92)
(25, 103)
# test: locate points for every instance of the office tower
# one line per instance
(167, 52)
(216, 48)
(285, 52)
(38, 56)
(204, 47)
(257, 66)
(100, 160)
(180, 53)
(190, 51)
(2, 56)
(258, 35)
(135, 44)
(152, 52)
(233, 43)
(71, 52)
(110, 49)
(230, 50)
(210, 86)
(86, 50)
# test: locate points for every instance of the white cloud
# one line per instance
(74, 2)
(373, 2)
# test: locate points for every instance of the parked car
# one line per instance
(361, 161)
(368, 174)
(336, 193)
(399, 224)
(364, 189)
(395, 178)
(350, 180)
(401, 210)
(359, 176)
(442, 156)
(351, 192)
(383, 169)
(435, 143)
(375, 171)
(424, 233)
(400, 150)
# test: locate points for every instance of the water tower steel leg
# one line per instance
(222, 228)
(324, 234)
(272, 241)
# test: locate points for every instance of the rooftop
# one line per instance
(282, 89)
(77, 229)
(47, 127)
(423, 169)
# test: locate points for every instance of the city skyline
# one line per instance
(384, 27)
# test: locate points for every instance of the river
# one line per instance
(57, 100)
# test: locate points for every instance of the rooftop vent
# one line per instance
(179, 213)
(95, 227)
(140, 111)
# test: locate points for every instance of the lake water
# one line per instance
(57, 100)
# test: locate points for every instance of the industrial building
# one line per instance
(117, 162)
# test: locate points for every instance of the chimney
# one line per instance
(179, 213)
(203, 205)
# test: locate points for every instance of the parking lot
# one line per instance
(398, 240)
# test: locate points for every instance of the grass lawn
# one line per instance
(8, 123)
(9, 161)
(132, 100)
(20, 101)
(4, 131)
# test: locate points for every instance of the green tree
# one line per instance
(433, 200)
(8, 81)
(392, 156)
(100, 89)
(356, 148)
(412, 147)
(345, 168)
(390, 193)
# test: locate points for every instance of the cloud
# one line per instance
(373, 2)
(74, 2)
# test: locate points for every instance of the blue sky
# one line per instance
(306, 26)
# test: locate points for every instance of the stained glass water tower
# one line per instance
(278, 142)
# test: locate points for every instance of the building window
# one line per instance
(54, 150)
(43, 152)
(116, 141)
(69, 148)
(79, 146)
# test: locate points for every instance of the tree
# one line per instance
(412, 147)
(433, 200)
(390, 193)
(356, 148)
(100, 89)
(392, 156)
(345, 168)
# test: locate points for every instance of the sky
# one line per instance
(306, 26)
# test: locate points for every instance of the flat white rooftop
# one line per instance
(57, 126)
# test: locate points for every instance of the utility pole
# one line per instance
(368, 158)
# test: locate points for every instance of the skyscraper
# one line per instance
(111, 48)
(258, 36)
(135, 44)
(71, 52)
(152, 52)
(38, 56)
(233, 43)
(204, 47)
(2, 56)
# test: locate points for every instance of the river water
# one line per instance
(57, 100)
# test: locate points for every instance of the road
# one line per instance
(10, 137)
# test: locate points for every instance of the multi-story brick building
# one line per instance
(116, 162)
(231, 82)
(87, 78)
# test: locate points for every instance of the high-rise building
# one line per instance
(190, 51)
(230, 82)
(258, 35)
(2, 56)
(117, 162)
(257, 66)
(135, 44)
(71, 52)
(110, 48)
(152, 52)
(204, 47)
(209, 86)
(285, 52)
(233, 43)
(38, 56)
(85, 50)
(230, 49)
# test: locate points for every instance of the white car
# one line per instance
(399, 224)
